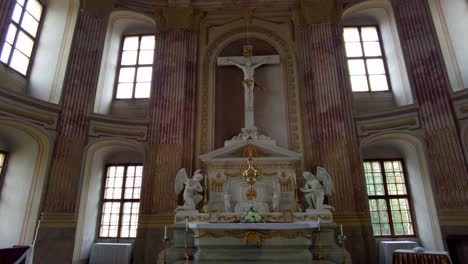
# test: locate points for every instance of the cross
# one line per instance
(248, 64)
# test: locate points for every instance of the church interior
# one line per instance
(233, 131)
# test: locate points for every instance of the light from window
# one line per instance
(3, 156)
(121, 201)
(21, 35)
(365, 59)
(388, 198)
(136, 67)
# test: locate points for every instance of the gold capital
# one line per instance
(317, 11)
(179, 18)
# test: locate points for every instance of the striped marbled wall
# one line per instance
(78, 93)
(170, 142)
(331, 139)
(431, 89)
(6, 8)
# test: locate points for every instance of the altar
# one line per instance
(244, 205)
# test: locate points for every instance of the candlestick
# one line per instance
(318, 223)
(206, 180)
(186, 224)
(165, 232)
(341, 228)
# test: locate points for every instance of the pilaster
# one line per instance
(331, 140)
(57, 227)
(171, 129)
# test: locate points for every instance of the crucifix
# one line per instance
(248, 64)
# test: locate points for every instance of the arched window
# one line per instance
(21, 35)
(377, 70)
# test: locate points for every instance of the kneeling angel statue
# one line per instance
(317, 187)
(192, 189)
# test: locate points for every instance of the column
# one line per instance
(331, 138)
(171, 130)
(56, 232)
(431, 89)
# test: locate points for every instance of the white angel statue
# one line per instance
(316, 187)
(192, 189)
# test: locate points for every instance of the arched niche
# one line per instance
(207, 84)
(411, 149)
(269, 105)
(451, 23)
(380, 13)
(22, 189)
(53, 49)
(120, 23)
(97, 155)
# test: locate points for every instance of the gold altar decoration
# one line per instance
(250, 175)
(420, 258)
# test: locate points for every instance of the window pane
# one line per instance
(372, 49)
(5, 53)
(17, 13)
(353, 49)
(369, 34)
(378, 83)
(10, 37)
(127, 75)
(124, 91)
(351, 34)
(359, 83)
(147, 43)
(375, 66)
(19, 62)
(144, 74)
(21, 2)
(356, 67)
(25, 44)
(29, 24)
(34, 8)
(142, 90)
(146, 57)
(131, 43)
(129, 57)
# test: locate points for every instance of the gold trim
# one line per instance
(387, 125)
(236, 174)
(463, 109)
(158, 221)
(57, 220)
(243, 234)
(244, 167)
(119, 132)
(357, 219)
(453, 218)
(192, 218)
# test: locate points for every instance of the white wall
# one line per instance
(97, 156)
(120, 23)
(53, 47)
(379, 12)
(20, 196)
(411, 151)
(451, 22)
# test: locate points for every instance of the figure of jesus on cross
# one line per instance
(248, 64)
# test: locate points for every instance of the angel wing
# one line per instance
(197, 175)
(326, 180)
(180, 180)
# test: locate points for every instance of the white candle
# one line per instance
(206, 181)
(186, 224)
(319, 223)
(341, 228)
(165, 232)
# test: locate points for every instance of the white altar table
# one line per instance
(253, 226)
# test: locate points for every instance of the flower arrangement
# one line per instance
(252, 216)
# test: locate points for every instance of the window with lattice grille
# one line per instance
(389, 201)
(366, 62)
(135, 69)
(121, 201)
(21, 35)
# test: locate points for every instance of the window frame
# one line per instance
(3, 169)
(364, 58)
(35, 39)
(387, 198)
(120, 66)
(122, 200)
